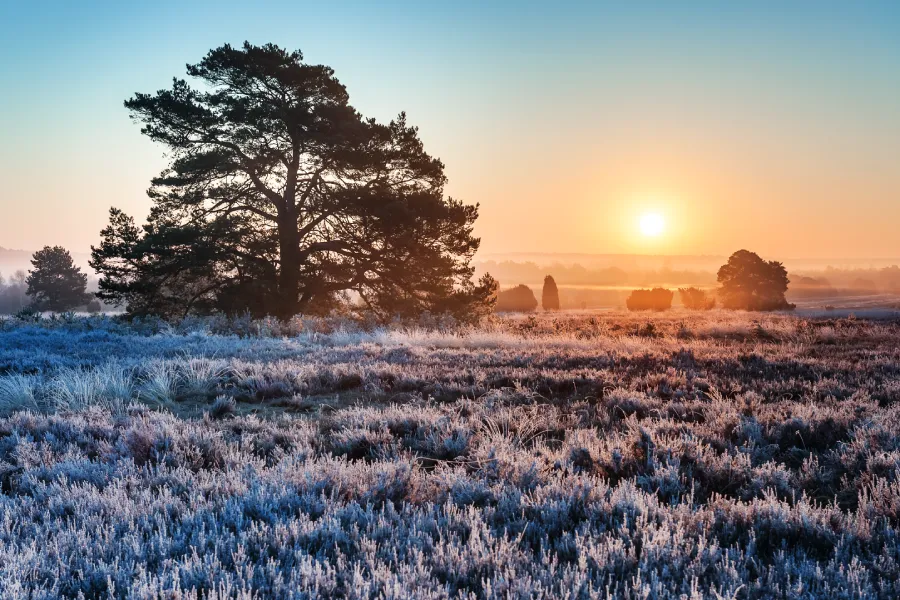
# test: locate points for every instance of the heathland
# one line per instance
(566, 455)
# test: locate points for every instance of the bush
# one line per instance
(517, 299)
(696, 299)
(94, 306)
(655, 299)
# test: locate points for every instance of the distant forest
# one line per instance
(578, 283)
(603, 286)
(510, 272)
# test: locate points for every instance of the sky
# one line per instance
(769, 127)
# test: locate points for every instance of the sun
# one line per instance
(652, 224)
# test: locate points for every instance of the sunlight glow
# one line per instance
(652, 224)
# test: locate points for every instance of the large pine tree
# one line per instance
(281, 198)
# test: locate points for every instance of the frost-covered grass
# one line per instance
(605, 455)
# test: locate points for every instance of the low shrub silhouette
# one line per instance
(517, 299)
(655, 299)
(696, 299)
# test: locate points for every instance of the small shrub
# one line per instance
(222, 407)
(94, 306)
(696, 299)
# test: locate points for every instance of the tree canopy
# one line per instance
(55, 283)
(280, 198)
(750, 283)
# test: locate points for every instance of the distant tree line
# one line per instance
(805, 282)
(885, 279)
(13, 293)
(837, 282)
(577, 274)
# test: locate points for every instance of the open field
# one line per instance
(577, 455)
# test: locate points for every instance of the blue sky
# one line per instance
(568, 116)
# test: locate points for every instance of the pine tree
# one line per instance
(550, 295)
(56, 283)
(281, 199)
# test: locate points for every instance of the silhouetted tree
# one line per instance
(550, 294)
(696, 299)
(55, 283)
(517, 299)
(655, 299)
(281, 198)
(748, 282)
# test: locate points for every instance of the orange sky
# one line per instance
(768, 128)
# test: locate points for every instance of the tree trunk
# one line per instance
(288, 277)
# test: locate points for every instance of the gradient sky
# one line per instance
(771, 128)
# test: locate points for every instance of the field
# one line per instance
(577, 455)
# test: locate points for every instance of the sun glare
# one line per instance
(652, 224)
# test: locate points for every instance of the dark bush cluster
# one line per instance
(517, 299)
(655, 299)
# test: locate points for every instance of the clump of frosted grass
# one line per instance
(159, 383)
(109, 386)
(200, 376)
(18, 392)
